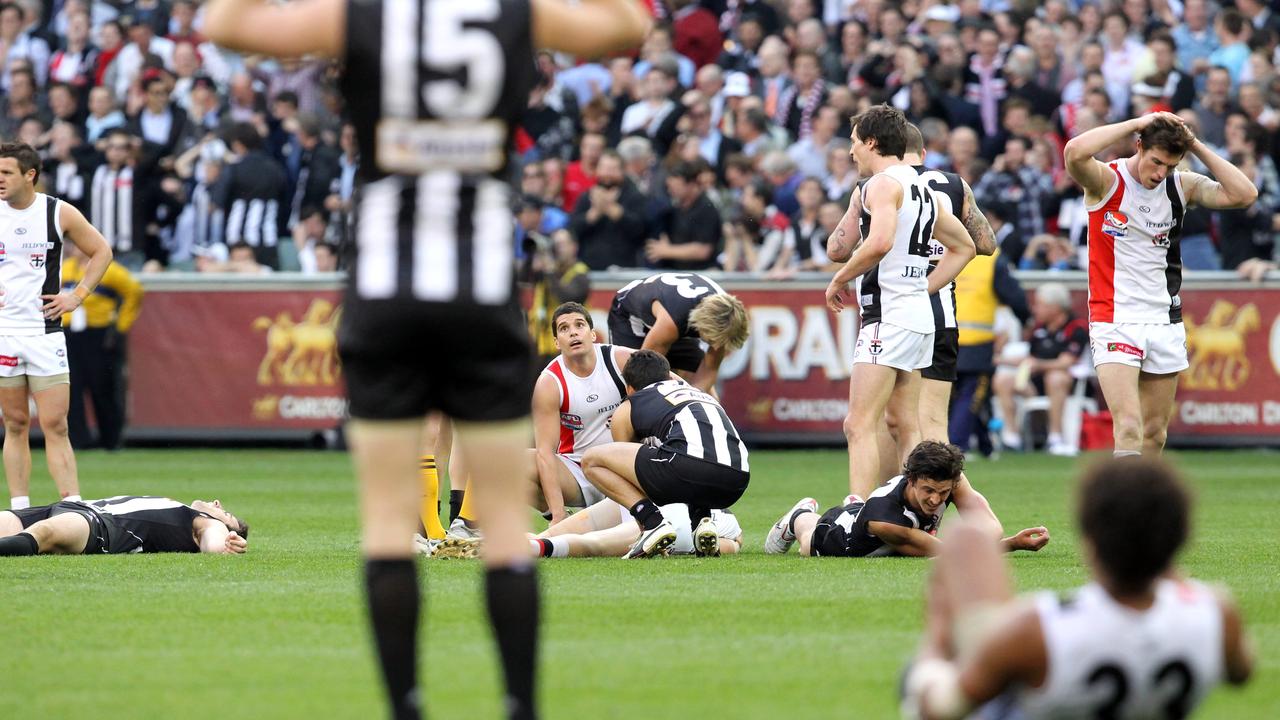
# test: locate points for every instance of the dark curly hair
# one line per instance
(934, 460)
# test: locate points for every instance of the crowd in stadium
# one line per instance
(722, 144)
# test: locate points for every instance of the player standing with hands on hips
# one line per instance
(33, 349)
(1136, 205)
(435, 89)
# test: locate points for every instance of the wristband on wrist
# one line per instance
(81, 292)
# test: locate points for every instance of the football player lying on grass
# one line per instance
(606, 529)
(900, 518)
(122, 524)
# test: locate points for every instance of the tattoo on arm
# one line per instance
(984, 238)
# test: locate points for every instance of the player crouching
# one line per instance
(900, 518)
(120, 525)
(691, 454)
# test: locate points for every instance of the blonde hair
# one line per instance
(721, 320)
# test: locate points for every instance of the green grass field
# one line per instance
(280, 633)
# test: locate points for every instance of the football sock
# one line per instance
(72, 498)
(468, 512)
(647, 514)
(512, 596)
(20, 544)
(19, 502)
(1126, 453)
(791, 524)
(455, 504)
(431, 498)
(392, 588)
(552, 547)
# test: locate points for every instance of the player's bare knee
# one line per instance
(858, 428)
(54, 425)
(18, 422)
(1154, 433)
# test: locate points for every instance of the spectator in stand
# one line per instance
(1196, 38)
(753, 133)
(693, 232)
(340, 199)
(68, 166)
(656, 114)
(74, 63)
(1008, 239)
(710, 82)
(21, 102)
(609, 219)
(103, 114)
(110, 41)
(18, 45)
(1122, 52)
(242, 259)
(712, 146)
(800, 101)
(558, 276)
(66, 105)
(580, 174)
(986, 87)
(657, 49)
(313, 168)
(697, 32)
(129, 64)
(161, 124)
(1179, 86)
(1248, 233)
(760, 239)
(810, 153)
(309, 233)
(761, 12)
(244, 100)
(1214, 106)
(115, 204)
(774, 74)
(1050, 73)
(740, 54)
(841, 174)
(1057, 341)
(962, 153)
(249, 192)
(1233, 51)
(201, 223)
(806, 223)
(1015, 183)
(811, 36)
(204, 106)
(96, 344)
(1020, 76)
(778, 168)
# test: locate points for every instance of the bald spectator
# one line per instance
(774, 71)
(811, 36)
(1020, 73)
(778, 168)
(710, 82)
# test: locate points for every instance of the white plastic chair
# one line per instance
(1073, 410)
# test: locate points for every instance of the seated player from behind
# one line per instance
(686, 317)
(900, 518)
(691, 454)
(122, 524)
(1137, 642)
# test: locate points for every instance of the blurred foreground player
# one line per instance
(435, 90)
(121, 525)
(1137, 642)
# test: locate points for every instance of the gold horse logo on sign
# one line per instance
(304, 352)
(1216, 347)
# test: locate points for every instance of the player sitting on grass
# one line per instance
(900, 518)
(1136, 642)
(606, 530)
(122, 524)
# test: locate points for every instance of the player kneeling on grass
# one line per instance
(900, 518)
(691, 454)
(122, 524)
(1136, 642)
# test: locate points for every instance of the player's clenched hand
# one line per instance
(1031, 539)
(58, 305)
(235, 544)
(835, 295)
